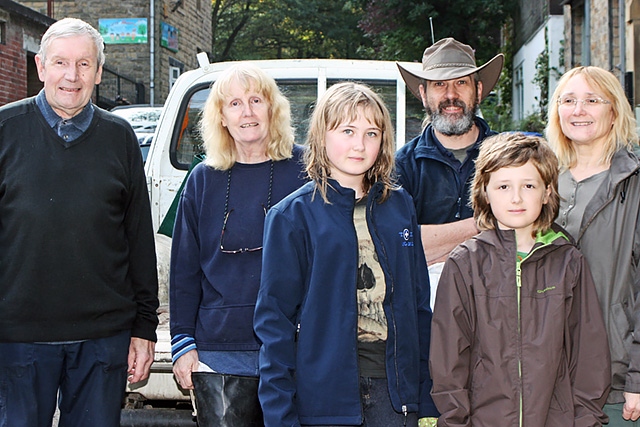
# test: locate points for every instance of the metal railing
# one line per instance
(117, 89)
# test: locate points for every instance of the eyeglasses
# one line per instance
(570, 102)
(236, 251)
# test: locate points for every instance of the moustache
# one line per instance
(452, 103)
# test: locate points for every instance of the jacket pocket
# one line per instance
(620, 336)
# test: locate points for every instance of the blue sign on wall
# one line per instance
(124, 30)
(169, 36)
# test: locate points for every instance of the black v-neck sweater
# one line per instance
(77, 258)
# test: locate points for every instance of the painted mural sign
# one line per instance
(123, 30)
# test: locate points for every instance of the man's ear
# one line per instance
(479, 91)
(40, 68)
(423, 93)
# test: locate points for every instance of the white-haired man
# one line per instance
(78, 280)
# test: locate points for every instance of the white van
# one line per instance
(302, 81)
(177, 141)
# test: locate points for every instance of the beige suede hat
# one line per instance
(449, 59)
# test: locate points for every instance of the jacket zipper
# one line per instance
(355, 237)
(518, 289)
(460, 185)
(391, 287)
(519, 303)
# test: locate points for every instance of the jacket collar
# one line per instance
(346, 197)
(428, 145)
(505, 240)
(623, 164)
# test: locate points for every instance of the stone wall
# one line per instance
(604, 35)
(192, 19)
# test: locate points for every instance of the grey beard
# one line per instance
(458, 126)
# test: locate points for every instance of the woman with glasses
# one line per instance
(593, 132)
(251, 163)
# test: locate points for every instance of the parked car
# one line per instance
(144, 121)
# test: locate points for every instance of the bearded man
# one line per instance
(437, 167)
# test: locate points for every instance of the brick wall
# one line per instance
(20, 39)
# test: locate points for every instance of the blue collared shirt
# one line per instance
(67, 129)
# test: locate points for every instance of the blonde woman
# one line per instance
(251, 163)
(593, 131)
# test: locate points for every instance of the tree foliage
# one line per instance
(371, 29)
(263, 29)
(401, 29)
(396, 30)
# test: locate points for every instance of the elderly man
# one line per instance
(437, 166)
(78, 281)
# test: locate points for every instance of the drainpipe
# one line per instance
(152, 52)
(586, 34)
(623, 40)
(50, 8)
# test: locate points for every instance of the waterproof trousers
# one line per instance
(224, 400)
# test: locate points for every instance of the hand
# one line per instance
(140, 358)
(631, 408)
(184, 366)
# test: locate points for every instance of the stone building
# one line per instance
(148, 43)
(605, 33)
(20, 32)
(538, 34)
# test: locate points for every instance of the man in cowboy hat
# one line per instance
(437, 166)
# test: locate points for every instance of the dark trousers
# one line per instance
(377, 408)
(88, 377)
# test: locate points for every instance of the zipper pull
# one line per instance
(404, 411)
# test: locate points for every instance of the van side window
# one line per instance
(302, 96)
(414, 116)
(188, 142)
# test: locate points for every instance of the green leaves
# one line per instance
(368, 29)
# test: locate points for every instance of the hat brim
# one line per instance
(488, 74)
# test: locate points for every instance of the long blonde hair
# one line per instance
(340, 104)
(623, 134)
(218, 143)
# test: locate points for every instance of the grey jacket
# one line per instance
(609, 238)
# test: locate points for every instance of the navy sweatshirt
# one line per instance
(213, 294)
